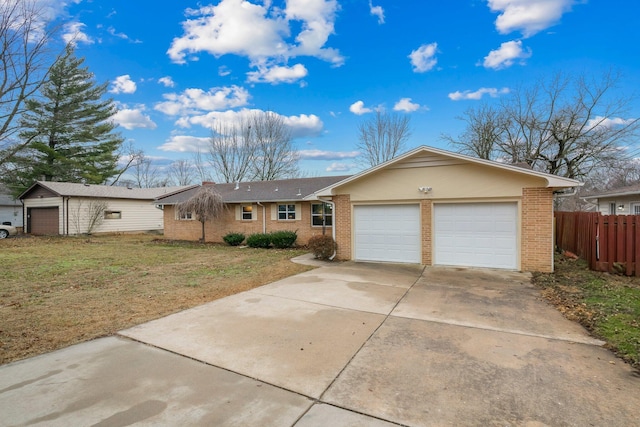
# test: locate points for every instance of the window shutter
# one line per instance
(298, 212)
(238, 212)
(274, 211)
(254, 212)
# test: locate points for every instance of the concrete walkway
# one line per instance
(343, 345)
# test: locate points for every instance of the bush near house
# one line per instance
(283, 239)
(322, 246)
(259, 240)
(234, 239)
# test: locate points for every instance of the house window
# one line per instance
(247, 212)
(320, 211)
(187, 216)
(635, 208)
(112, 215)
(612, 208)
(286, 211)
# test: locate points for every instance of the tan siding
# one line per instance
(458, 181)
(137, 215)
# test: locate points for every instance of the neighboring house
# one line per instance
(69, 208)
(427, 206)
(10, 210)
(619, 201)
(256, 207)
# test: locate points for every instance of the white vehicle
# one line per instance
(7, 230)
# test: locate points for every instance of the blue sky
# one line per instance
(177, 67)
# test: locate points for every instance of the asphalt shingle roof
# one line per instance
(620, 191)
(260, 191)
(103, 191)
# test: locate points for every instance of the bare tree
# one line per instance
(231, 150)
(181, 172)
(24, 64)
(259, 148)
(87, 217)
(147, 175)
(482, 134)
(568, 125)
(274, 156)
(203, 170)
(382, 137)
(206, 204)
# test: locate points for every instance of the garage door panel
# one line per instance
(387, 233)
(476, 234)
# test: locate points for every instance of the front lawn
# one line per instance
(607, 305)
(57, 291)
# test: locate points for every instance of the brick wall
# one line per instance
(343, 230)
(537, 229)
(216, 230)
(426, 209)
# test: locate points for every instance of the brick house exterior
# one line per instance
(256, 207)
(427, 206)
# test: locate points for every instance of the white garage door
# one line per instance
(476, 235)
(387, 233)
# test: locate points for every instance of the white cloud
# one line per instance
(506, 55)
(223, 71)
(185, 143)
(304, 125)
(340, 167)
(606, 122)
(278, 74)
(260, 32)
(133, 118)
(327, 155)
(123, 84)
(359, 109)
(528, 16)
(405, 104)
(123, 36)
(377, 11)
(197, 101)
(300, 126)
(476, 95)
(73, 32)
(423, 59)
(167, 81)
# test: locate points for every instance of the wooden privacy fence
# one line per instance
(608, 242)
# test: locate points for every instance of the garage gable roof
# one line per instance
(553, 181)
(70, 189)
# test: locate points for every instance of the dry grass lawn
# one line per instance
(57, 291)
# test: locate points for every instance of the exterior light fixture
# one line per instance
(620, 207)
(424, 189)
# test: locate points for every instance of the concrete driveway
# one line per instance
(343, 345)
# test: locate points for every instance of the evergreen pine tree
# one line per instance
(73, 138)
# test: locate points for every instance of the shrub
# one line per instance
(283, 239)
(259, 240)
(322, 246)
(233, 239)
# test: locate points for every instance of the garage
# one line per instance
(476, 234)
(43, 220)
(387, 233)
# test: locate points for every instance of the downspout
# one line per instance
(333, 224)
(264, 217)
